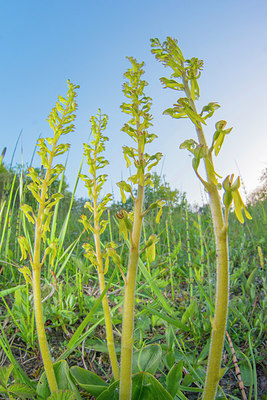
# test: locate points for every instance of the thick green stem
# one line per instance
(140, 111)
(128, 308)
(222, 281)
(222, 297)
(48, 365)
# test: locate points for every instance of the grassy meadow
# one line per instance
(177, 287)
(146, 298)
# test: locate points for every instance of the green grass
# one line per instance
(163, 297)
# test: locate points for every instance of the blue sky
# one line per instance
(45, 43)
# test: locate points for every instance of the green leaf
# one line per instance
(63, 379)
(174, 378)
(251, 279)
(168, 319)
(153, 286)
(6, 292)
(190, 311)
(170, 358)
(204, 353)
(21, 390)
(2, 389)
(146, 387)
(88, 381)
(79, 336)
(111, 393)
(147, 359)
(63, 395)
(246, 373)
(5, 373)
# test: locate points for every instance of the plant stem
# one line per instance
(169, 256)
(136, 128)
(108, 321)
(39, 188)
(188, 248)
(100, 270)
(128, 308)
(222, 286)
(201, 246)
(36, 274)
(48, 365)
(221, 303)
(109, 333)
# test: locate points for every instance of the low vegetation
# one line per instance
(144, 298)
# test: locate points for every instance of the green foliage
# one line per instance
(174, 378)
(189, 72)
(15, 388)
(89, 381)
(130, 223)
(137, 129)
(147, 359)
(95, 183)
(63, 395)
(145, 387)
(173, 298)
(64, 381)
(231, 193)
(60, 121)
